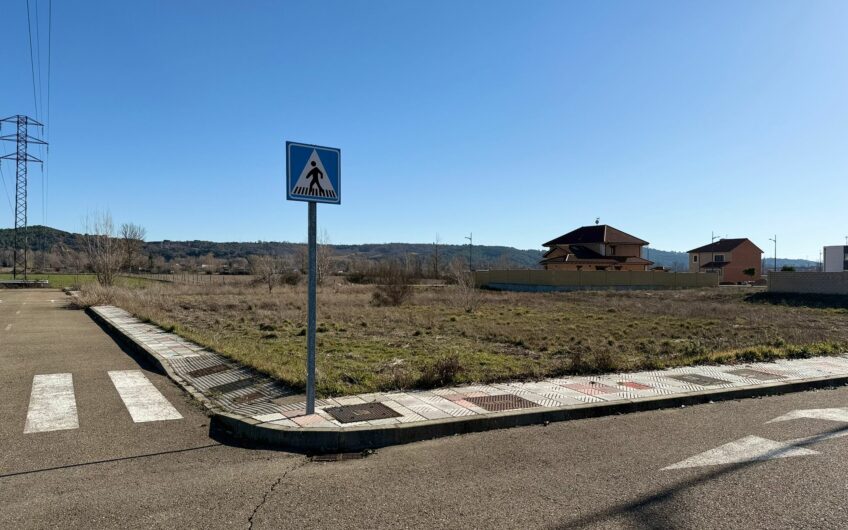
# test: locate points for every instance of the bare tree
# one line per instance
(467, 295)
(132, 238)
(266, 269)
(437, 271)
(102, 248)
(394, 285)
(324, 257)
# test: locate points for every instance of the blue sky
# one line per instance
(516, 121)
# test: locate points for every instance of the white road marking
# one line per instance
(748, 449)
(8, 327)
(18, 312)
(52, 406)
(837, 414)
(143, 401)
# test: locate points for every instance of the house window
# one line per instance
(695, 258)
(718, 258)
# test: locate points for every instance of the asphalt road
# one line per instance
(606, 472)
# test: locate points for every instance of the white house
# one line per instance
(836, 258)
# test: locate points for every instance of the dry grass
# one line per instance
(432, 341)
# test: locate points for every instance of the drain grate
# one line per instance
(229, 387)
(698, 379)
(216, 369)
(755, 374)
(501, 402)
(361, 412)
(247, 398)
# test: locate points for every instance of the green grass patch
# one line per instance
(432, 341)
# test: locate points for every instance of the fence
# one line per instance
(552, 280)
(190, 278)
(808, 282)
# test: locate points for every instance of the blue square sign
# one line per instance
(313, 173)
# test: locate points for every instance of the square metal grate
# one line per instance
(698, 379)
(361, 412)
(247, 398)
(209, 370)
(230, 387)
(755, 374)
(501, 402)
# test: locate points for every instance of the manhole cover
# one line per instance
(501, 402)
(229, 387)
(218, 368)
(698, 379)
(755, 374)
(247, 398)
(361, 412)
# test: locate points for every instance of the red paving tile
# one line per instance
(592, 390)
(635, 386)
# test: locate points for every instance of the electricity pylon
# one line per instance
(21, 158)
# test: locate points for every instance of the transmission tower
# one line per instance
(21, 158)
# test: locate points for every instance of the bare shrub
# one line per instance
(442, 371)
(102, 248)
(92, 294)
(393, 285)
(269, 271)
(465, 294)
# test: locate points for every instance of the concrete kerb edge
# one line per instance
(338, 440)
(161, 364)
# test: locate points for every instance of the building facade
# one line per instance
(732, 259)
(836, 258)
(595, 248)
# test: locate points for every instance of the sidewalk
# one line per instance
(254, 407)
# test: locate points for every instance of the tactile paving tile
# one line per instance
(748, 373)
(698, 379)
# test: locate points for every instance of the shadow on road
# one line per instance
(651, 511)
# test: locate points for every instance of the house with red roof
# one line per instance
(734, 260)
(595, 248)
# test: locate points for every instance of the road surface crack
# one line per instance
(270, 490)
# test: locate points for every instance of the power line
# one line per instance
(5, 188)
(47, 132)
(32, 61)
(38, 55)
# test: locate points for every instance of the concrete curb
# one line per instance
(338, 440)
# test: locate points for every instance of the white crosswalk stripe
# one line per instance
(143, 401)
(52, 406)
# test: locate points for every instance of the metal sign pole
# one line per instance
(311, 317)
(313, 175)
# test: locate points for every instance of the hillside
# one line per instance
(46, 239)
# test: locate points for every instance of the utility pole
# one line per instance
(470, 239)
(775, 251)
(21, 158)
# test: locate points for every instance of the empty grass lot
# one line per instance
(62, 281)
(432, 341)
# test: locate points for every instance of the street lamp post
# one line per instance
(470, 239)
(775, 251)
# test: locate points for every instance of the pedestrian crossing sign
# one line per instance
(313, 173)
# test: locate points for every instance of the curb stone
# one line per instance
(318, 440)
